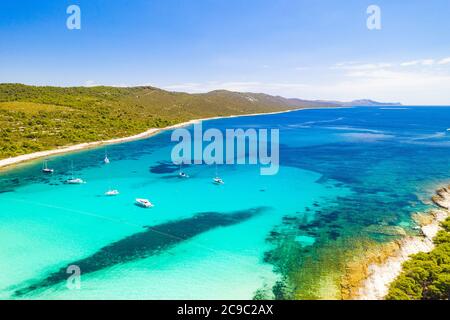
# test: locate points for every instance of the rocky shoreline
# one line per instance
(381, 275)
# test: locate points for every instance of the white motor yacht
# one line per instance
(218, 180)
(144, 203)
(112, 193)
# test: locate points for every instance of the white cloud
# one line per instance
(389, 84)
(423, 62)
(371, 66)
(423, 83)
(360, 66)
(444, 61)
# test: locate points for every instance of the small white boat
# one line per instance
(144, 203)
(218, 180)
(112, 193)
(45, 168)
(106, 159)
(75, 181)
(183, 175)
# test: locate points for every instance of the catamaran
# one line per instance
(144, 203)
(73, 180)
(45, 168)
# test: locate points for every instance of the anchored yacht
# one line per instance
(112, 193)
(144, 203)
(45, 168)
(73, 180)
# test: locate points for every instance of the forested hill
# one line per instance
(39, 118)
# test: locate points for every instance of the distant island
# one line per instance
(37, 118)
(362, 103)
(370, 103)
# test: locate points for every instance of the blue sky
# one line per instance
(314, 49)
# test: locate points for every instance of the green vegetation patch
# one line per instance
(42, 118)
(426, 276)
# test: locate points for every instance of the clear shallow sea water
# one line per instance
(344, 173)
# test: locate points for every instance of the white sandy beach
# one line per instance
(376, 286)
(4, 163)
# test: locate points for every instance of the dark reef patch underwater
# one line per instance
(154, 240)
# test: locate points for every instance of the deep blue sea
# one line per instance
(348, 177)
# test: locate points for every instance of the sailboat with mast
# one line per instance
(181, 173)
(217, 180)
(45, 168)
(111, 192)
(106, 159)
(74, 180)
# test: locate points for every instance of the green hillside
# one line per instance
(40, 118)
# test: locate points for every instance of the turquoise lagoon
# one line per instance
(346, 175)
